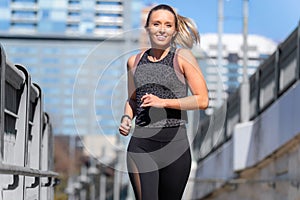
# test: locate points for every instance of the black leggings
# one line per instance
(159, 162)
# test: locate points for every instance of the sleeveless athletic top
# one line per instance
(163, 80)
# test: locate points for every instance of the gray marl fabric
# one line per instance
(160, 79)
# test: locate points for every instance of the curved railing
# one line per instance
(26, 144)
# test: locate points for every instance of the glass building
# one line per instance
(75, 50)
(83, 80)
(75, 17)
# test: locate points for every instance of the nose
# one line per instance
(162, 29)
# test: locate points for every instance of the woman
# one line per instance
(158, 157)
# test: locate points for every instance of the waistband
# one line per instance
(164, 134)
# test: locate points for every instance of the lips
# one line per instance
(161, 37)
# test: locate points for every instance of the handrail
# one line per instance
(25, 171)
(13, 75)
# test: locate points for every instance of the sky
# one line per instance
(274, 19)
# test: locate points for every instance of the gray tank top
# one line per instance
(163, 80)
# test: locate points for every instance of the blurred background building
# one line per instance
(231, 70)
(65, 35)
(73, 17)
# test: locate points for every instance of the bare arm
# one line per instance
(129, 109)
(130, 103)
(199, 98)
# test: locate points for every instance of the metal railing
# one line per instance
(26, 144)
(272, 78)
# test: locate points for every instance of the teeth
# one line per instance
(160, 37)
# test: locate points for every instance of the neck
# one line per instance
(158, 54)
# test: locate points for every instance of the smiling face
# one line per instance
(161, 28)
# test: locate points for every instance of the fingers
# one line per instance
(145, 96)
(125, 127)
(124, 131)
(146, 99)
(150, 100)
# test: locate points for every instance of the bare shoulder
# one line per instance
(134, 59)
(130, 61)
(186, 58)
(185, 54)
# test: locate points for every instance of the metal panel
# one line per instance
(288, 71)
(267, 82)
(15, 119)
(211, 132)
(218, 123)
(205, 144)
(288, 61)
(253, 97)
(34, 123)
(233, 112)
(16, 99)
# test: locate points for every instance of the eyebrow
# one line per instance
(170, 22)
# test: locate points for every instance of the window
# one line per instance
(250, 48)
(31, 1)
(233, 58)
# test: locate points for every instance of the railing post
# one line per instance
(40, 131)
(41, 115)
(26, 126)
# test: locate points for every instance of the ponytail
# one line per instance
(187, 33)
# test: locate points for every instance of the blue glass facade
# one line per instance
(4, 15)
(75, 17)
(82, 80)
(60, 51)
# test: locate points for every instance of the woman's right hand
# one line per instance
(125, 126)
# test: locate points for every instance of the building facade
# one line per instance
(75, 50)
(224, 78)
(73, 17)
(82, 80)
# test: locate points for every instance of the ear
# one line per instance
(147, 29)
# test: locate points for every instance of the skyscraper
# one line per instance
(75, 17)
(76, 52)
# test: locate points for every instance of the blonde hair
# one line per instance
(187, 32)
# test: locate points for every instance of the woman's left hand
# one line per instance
(153, 101)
